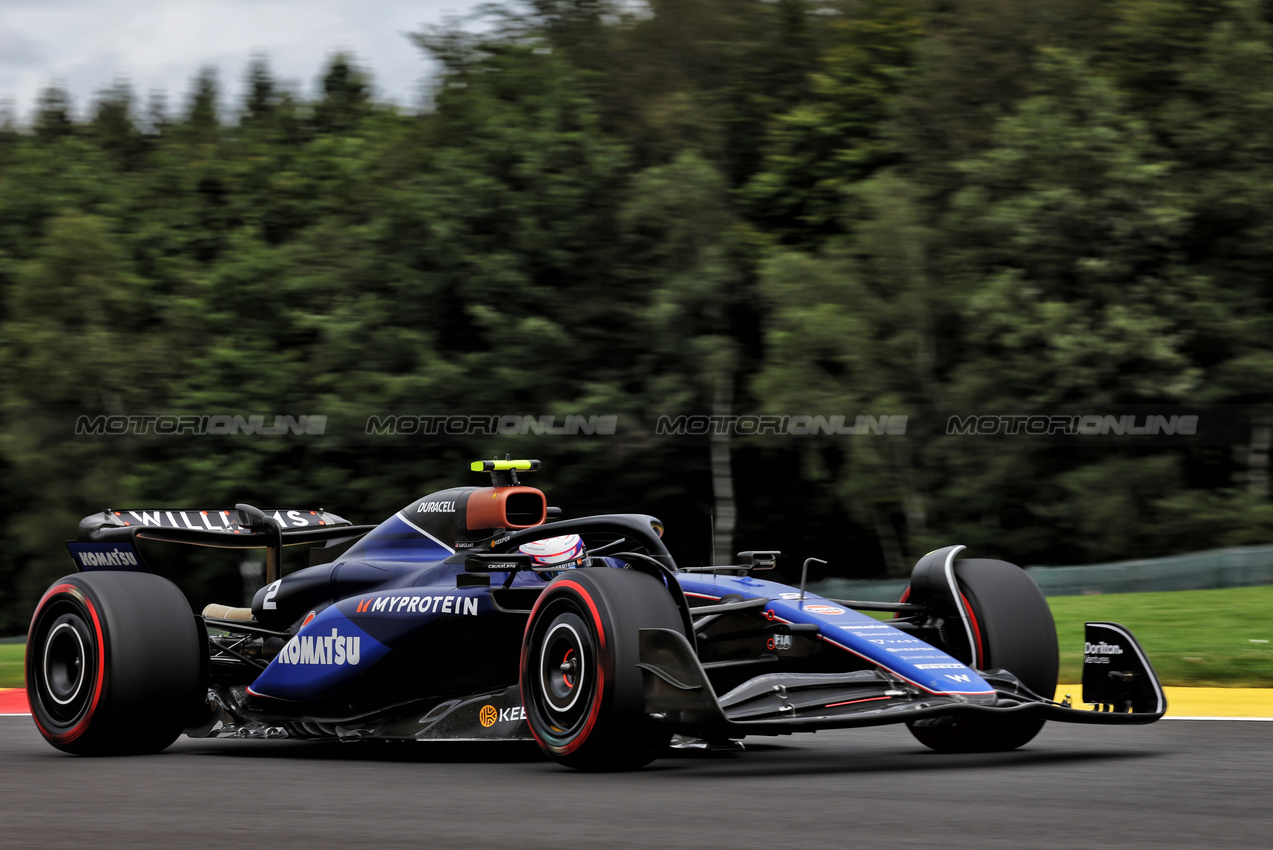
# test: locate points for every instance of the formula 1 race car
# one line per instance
(451, 620)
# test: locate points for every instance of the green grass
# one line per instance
(1194, 638)
(11, 661)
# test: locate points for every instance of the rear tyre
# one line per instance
(1015, 632)
(583, 692)
(113, 664)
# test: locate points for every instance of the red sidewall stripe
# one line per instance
(583, 734)
(79, 728)
(979, 662)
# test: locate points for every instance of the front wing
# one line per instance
(679, 693)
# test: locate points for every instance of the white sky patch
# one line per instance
(159, 45)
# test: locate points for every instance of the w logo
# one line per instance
(959, 677)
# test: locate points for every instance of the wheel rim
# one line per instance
(64, 661)
(562, 673)
(565, 673)
(64, 666)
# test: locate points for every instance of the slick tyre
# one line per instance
(113, 664)
(1013, 626)
(583, 692)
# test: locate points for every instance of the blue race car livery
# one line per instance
(450, 621)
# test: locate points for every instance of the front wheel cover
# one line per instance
(581, 683)
(1013, 629)
(564, 670)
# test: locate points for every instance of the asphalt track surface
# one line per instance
(1176, 784)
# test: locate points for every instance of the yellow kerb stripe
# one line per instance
(1200, 702)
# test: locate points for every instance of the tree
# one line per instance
(115, 126)
(976, 61)
(684, 254)
(261, 96)
(823, 145)
(1079, 290)
(346, 97)
(854, 331)
(53, 118)
(203, 119)
(73, 349)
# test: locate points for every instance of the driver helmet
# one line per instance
(565, 551)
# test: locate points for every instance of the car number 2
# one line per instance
(268, 603)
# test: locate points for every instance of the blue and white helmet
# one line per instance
(566, 551)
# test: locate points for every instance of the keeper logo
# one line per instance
(489, 715)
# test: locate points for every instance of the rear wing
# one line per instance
(106, 540)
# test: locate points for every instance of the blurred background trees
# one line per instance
(789, 207)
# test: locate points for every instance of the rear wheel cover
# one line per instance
(65, 670)
(114, 663)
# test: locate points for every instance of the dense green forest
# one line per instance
(915, 208)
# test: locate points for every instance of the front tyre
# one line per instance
(1014, 630)
(583, 692)
(113, 663)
